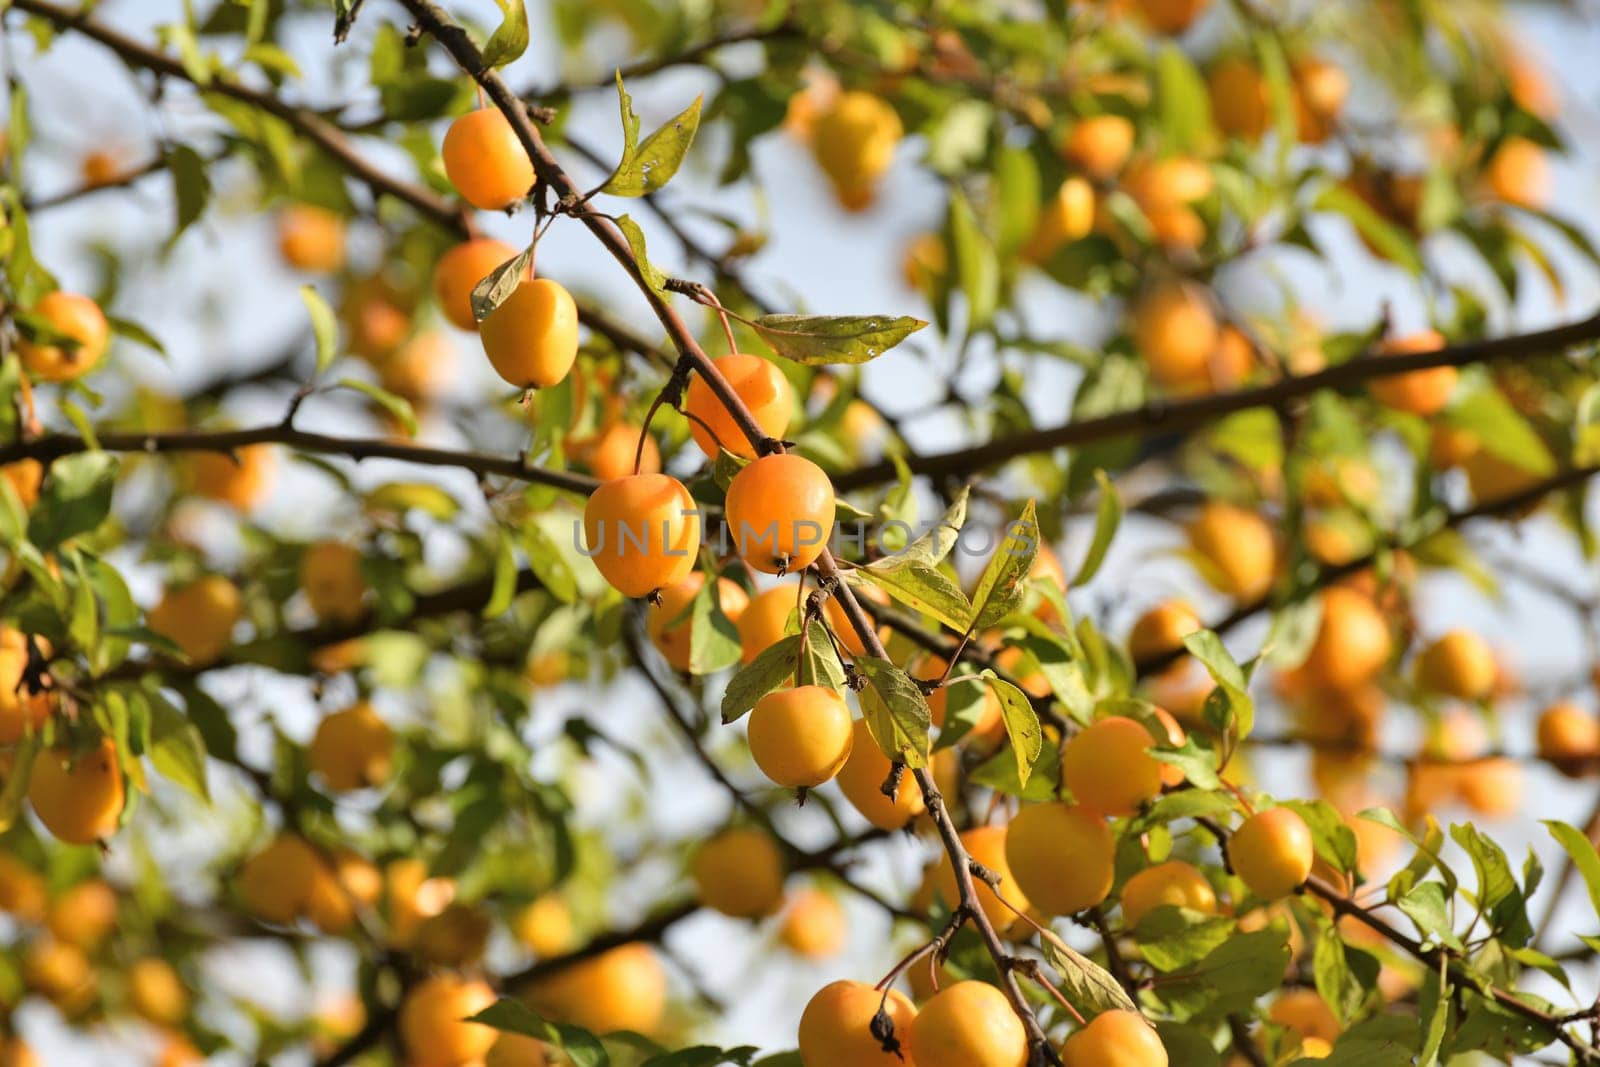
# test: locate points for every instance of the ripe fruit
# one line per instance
(516, 1050)
(854, 141)
(1568, 733)
(532, 339)
(352, 749)
(1352, 643)
(311, 238)
(780, 509)
(1459, 664)
(78, 796)
(77, 317)
(610, 453)
(1272, 852)
(1519, 173)
(1321, 90)
(1492, 787)
(376, 316)
(669, 625)
(1238, 545)
(15, 1053)
(969, 1024)
(1172, 884)
(83, 915)
(1066, 217)
(836, 1026)
(460, 270)
(642, 532)
(986, 845)
(331, 578)
(22, 890)
(1108, 766)
(199, 618)
(1170, 16)
(861, 780)
(25, 477)
(273, 883)
(762, 387)
(1175, 331)
(1239, 100)
(1166, 190)
(1115, 1038)
(419, 369)
(21, 709)
(545, 926)
(1171, 774)
(239, 479)
(485, 161)
(765, 621)
(156, 992)
(1061, 856)
(1306, 1013)
(739, 872)
(926, 262)
(1419, 392)
(456, 937)
(623, 989)
(814, 925)
(411, 897)
(59, 972)
(433, 1023)
(1099, 145)
(801, 737)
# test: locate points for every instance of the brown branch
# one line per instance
(455, 40)
(1185, 413)
(643, 68)
(53, 446)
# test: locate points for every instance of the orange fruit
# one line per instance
(863, 776)
(836, 1026)
(544, 927)
(84, 914)
(668, 624)
(485, 160)
(621, 989)
(1170, 884)
(1175, 331)
(1272, 852)
(1115, 1038)
(1239, 546)
(1099, 145)
(1239, 101)
(854, 140)
(433, 1024)
(764, 390)
(459, 271)
(780, 510)
(21, 709)
(1519, 173)
(968, 1024)
(986, 845)
(739, 872)
(78, 318)
(156, 992)
(352, 748)
(765, 621)
(239, 479)
(331, 578)
(1568, 733)
(1066, 217)
(1459, 664)
(1321, 88)
(1108, 767)
(610, 454)
(1170, 16)
(311, 238)
(1160, 631)
(26, 477)
(419, 369)
(1062, 857)
(643, 532)
(1352, 643)
(532, 339)
(801, 737)
(1419, 392)
(78, 796)
(814, 925)
(199, 618)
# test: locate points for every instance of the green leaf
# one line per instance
(505, 575)
(1022, 725)
(1332, 837)
(135, 333)
(1229, 708)
(191, 187)
(1230, 978)
(818, 340)
(1171, 939)
(324, 327)
(1427, 907)
(75, 500)
(581, 1047)
(553, 569)
(1586, 428)
(1183, 104)
(896, 711)
(1393, 243)
(398, 406)
(773, 667)
(496, 287)
(977, 267)
(1000, 587)
(654, 278)
(820, 665)
(713, 639)
(1088, 986)
(1585, 859)
(1000, 773)
(922, 588)
(177, 748)
(510, 38)
(1498, 893)
(1107, 518)
(653, 163)
(1501, 430)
